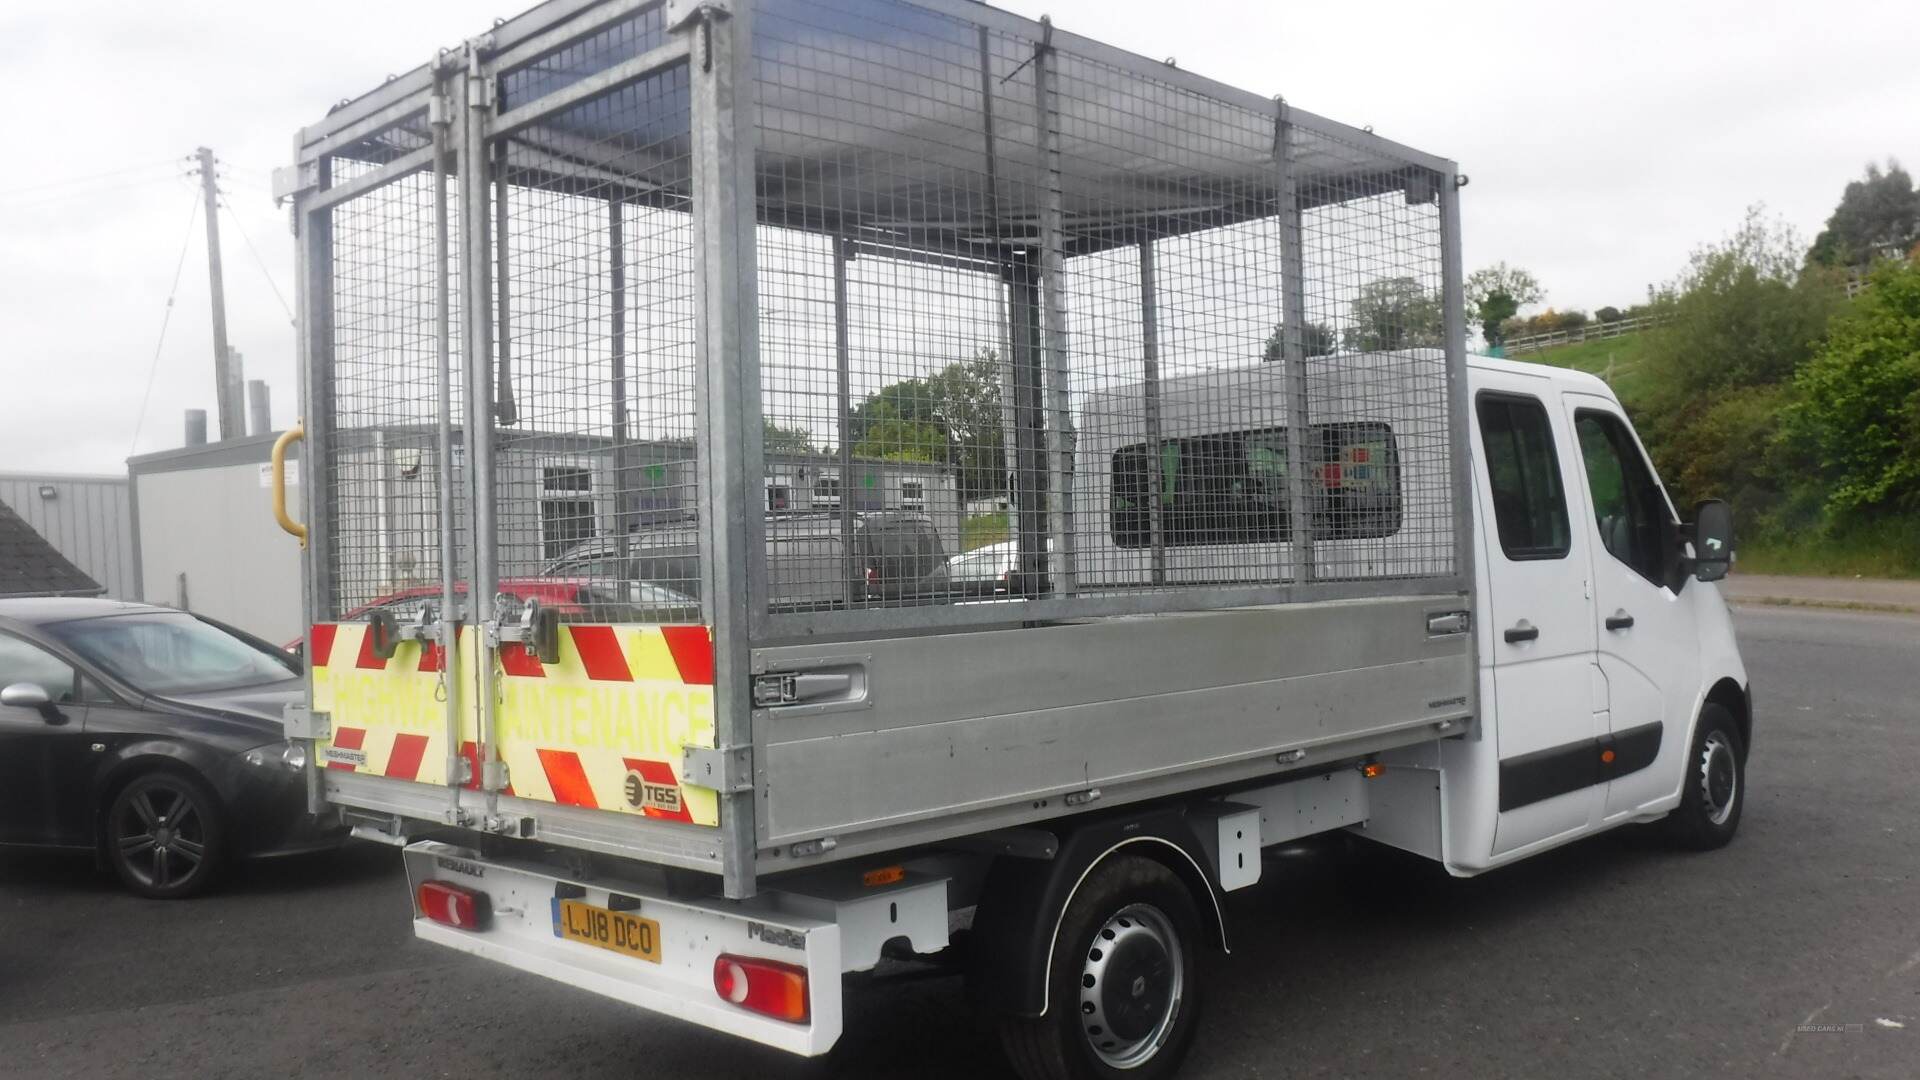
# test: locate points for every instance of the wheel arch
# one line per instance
(1738, 701)
(142, 759)
(1024, 903)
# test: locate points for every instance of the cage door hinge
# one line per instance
(681, 12)
(728, 770)
(293, 181)
(301, 722)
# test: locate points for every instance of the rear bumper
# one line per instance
(693, 933)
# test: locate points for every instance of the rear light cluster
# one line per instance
(767, 987)
(451, 905)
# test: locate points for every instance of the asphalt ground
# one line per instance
(1795, 952)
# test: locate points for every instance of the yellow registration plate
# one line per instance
(614, 931)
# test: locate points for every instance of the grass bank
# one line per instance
(979, 530)
(1616, 359)
(1883, 549)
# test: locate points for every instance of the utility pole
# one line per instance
(232, 420)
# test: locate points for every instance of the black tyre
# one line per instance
(1715, 788)
(163, 836)
(1123, 996)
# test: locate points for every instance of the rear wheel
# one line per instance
(1715, 787)
(1123, 994)
(164, 836)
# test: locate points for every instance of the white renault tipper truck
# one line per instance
(1284, 559)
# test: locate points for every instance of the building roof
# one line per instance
(29, 566)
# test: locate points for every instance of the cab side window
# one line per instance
(22, 662)
(1529, 501)
(1628, 508)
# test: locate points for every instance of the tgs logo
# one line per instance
(644, 794)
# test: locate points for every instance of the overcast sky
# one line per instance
(1603, 147)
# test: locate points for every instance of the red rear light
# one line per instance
(873, 576)
(767, 987)
(451, 905)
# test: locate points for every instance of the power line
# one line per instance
(234, 216)
(88, 178)
(172, 291)
(55, 198)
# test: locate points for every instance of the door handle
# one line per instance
(1619, 620)
(1522, 631)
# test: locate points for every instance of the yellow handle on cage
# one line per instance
(287, 438)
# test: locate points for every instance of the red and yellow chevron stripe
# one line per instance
(601, 727)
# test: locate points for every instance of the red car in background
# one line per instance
(573, 599)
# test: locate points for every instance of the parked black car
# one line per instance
(150, 737)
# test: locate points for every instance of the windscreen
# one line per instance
(173, 653)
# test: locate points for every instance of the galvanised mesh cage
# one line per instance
(381, 379)
(1044, 329)
(595, 448)
(1155, 344)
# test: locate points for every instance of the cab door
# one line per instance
(1648, 639)
(1539, 608)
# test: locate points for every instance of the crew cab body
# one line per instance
(1597, 654)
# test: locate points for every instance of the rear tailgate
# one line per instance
(601, 728)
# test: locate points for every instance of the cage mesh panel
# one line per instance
(595, 461)
(383, 467)
(1374, 304)
(370, 154)
(598, 51)
(912, 143)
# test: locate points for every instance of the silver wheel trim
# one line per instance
(1135, 925)
(1717, 752)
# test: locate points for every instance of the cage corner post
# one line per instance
(1061, 562)
(1453, 297)
(477, 95)
(313, 287)
(727, 389)
(1293, 338)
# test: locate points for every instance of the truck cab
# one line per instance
(1603, 642)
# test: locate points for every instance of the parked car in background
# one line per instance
(896, 555)
(985, 571)
(150, 737)
(572, 599)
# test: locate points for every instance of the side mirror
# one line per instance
(26, 695)
(1712, 539)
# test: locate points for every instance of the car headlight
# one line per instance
(289, 755)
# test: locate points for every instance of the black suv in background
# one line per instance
(895, 556)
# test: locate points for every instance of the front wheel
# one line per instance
(1123, 992)
(164, 836)
(1715, 786)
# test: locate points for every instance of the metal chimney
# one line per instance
(259, 408)
(196, 427)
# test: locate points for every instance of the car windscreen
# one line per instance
(170, 652)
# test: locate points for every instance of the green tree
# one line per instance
(887, 434)
(957, 408)
(1495, 294)
(1394, 313)
(777, 439)
(1878, 216)
(1739, 321)
(1859, 408)
(1320, 342)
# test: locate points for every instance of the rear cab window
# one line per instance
(1523, 472)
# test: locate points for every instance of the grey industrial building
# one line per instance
(193, 527)
(87, 519)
